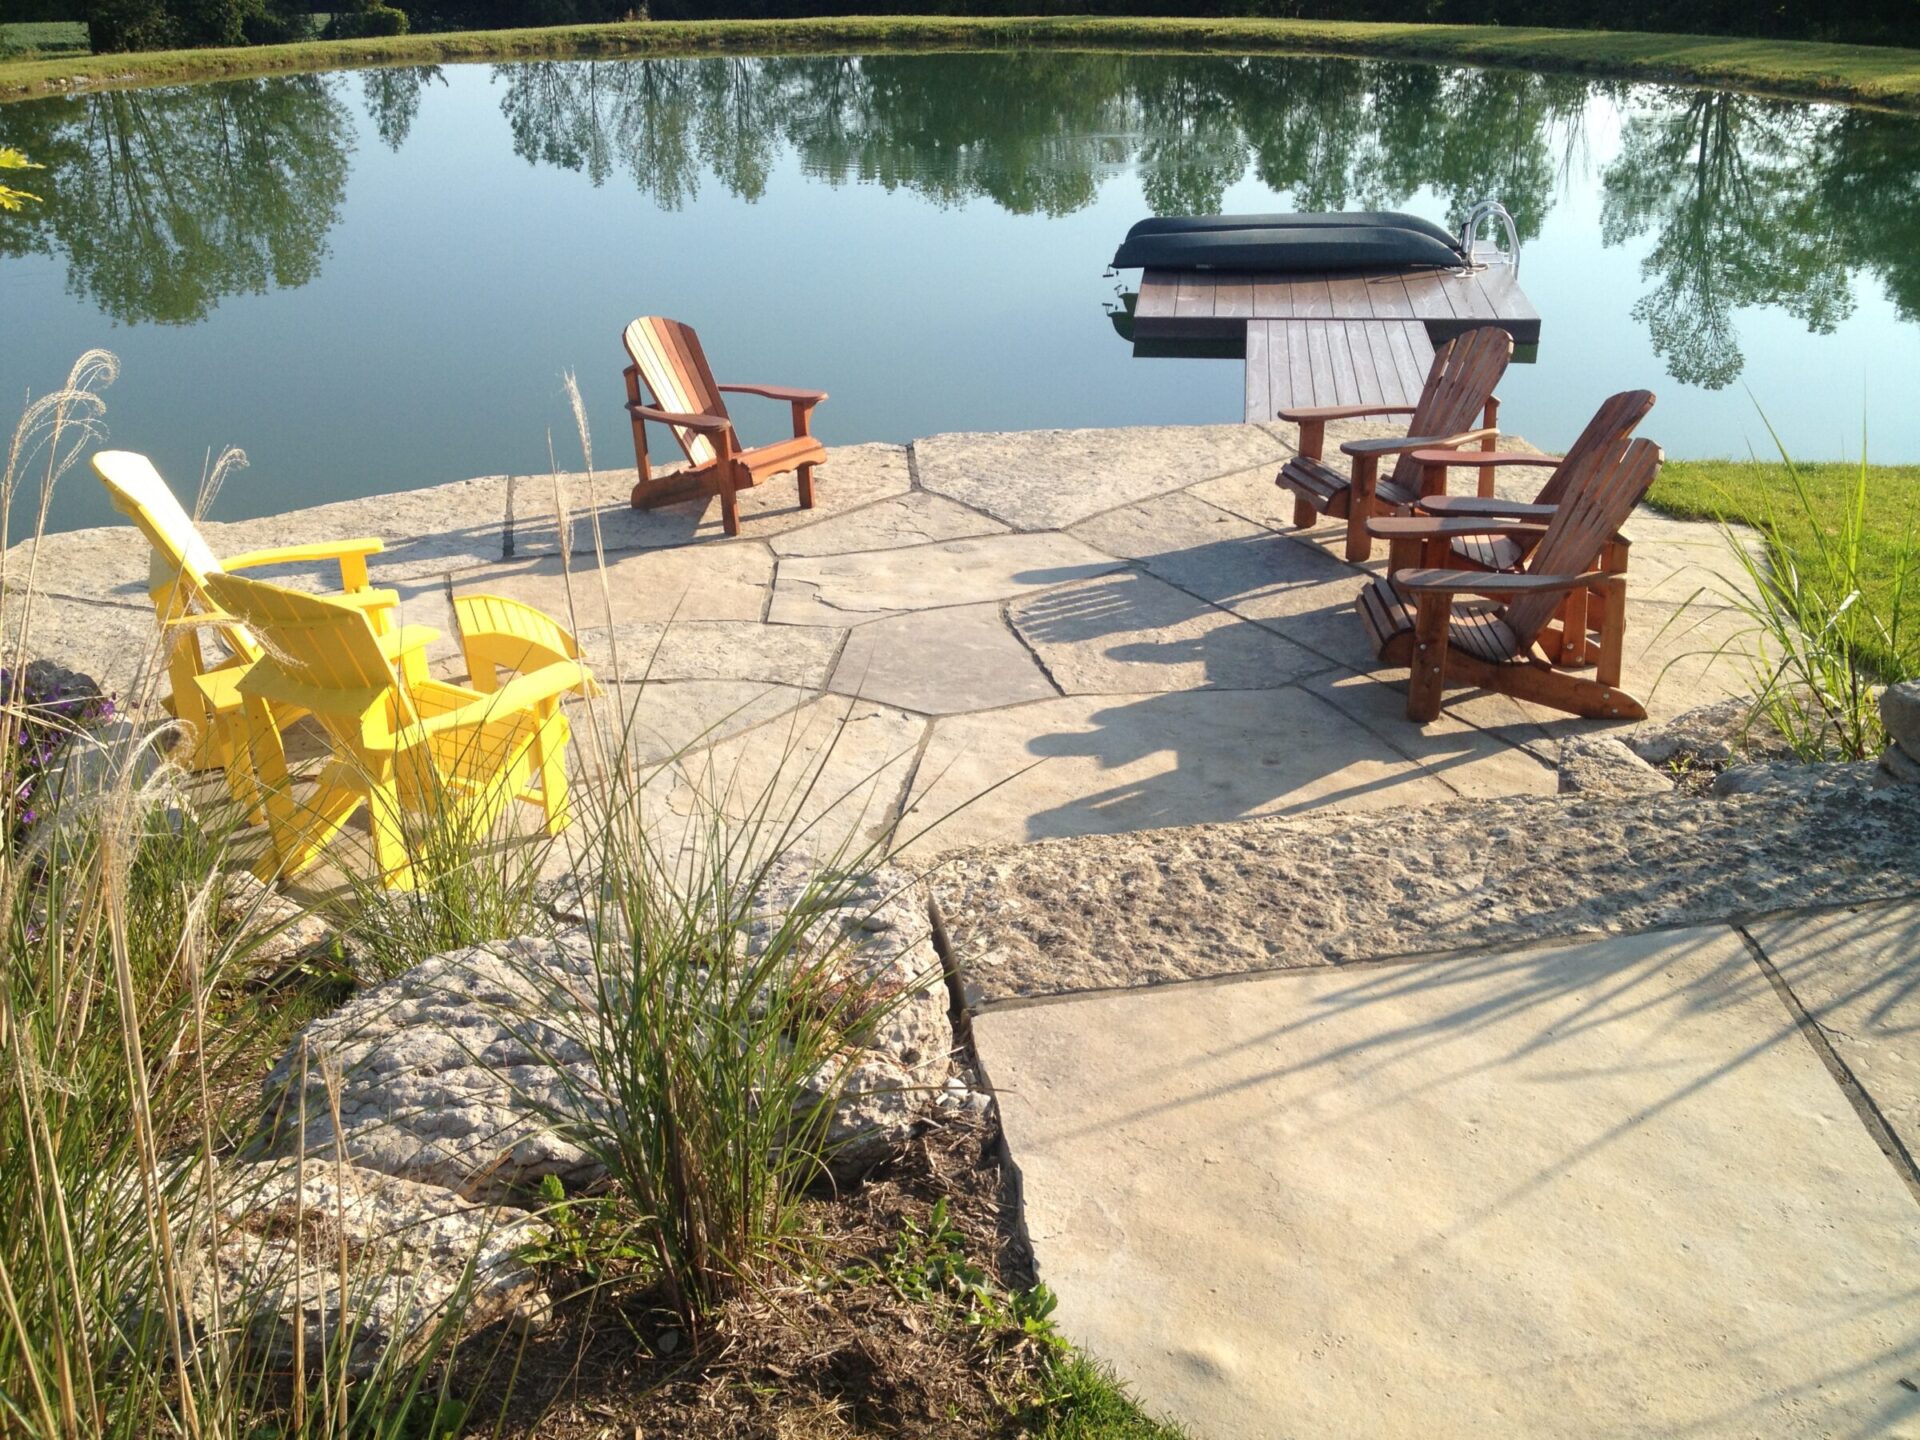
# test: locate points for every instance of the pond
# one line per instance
(375, 280)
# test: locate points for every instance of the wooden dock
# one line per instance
(1332, 339)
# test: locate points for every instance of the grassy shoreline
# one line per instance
(1882, 77)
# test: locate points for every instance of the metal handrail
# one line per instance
(1490, 210)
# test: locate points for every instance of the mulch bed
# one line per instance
(844, 1355)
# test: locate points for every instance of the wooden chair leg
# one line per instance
(1428, 678)
(1366, 472)
(806, 486)
(1486, 482)
(549, 762)
(390, 856)
(1573, 625)
(1613, 630)
(1304, 515)
(730, 509)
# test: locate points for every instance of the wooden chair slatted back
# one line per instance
(182, 561)
(1465, 371)
(1599, 497)
(1616, 419)
(324, 651)
(675, 369)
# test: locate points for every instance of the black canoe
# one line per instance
(1362, 240)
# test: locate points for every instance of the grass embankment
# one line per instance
(1762, 495)
(1858, 74)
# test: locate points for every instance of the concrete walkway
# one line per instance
(1606, 1189)
(1076, 631)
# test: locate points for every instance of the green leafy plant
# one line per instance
(11, 198)
(591, 1236)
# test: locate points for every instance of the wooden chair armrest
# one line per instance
(675, 417)
(1483, 459)
(1489, 507)
(777, 392)
(1389, 446)
(1341, 412)
(1481, 582)
(1437, 527)
(406, 640)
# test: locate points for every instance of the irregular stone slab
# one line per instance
(117, 646)
(793, 655)
(1253, 495)
(955, 572)
(1430, 1185)
(916, 519)
(1679, 658)
(664, 718)
(797, 602)
(1857, 973)
(940, 662)
(1116, 910)
(724, 581)
(415, 1253)
(476, 1069)
(1297, 591)
(826, 779)
(1050, 479)
(1130, 632)
(1603, 765)
(1466, 759)
(1094, 765)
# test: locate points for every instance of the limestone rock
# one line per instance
(1100, 911)
(1900, 713)
(1603, 765)
(1901, 765)
(475, 1069)
(412, 1250)
(1710, 733)
(462, 1072)
(280, 930)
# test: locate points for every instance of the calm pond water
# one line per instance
(374, 280)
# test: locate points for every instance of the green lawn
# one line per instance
(1860, 74)
(42, 38)
(1754, 491)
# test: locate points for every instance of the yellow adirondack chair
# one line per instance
(203, 688)
(402, 745)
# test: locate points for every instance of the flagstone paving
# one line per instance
(1608, 1189)
(1071, 631)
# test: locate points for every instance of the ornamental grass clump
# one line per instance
(1823, 635)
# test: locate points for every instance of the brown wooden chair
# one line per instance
(1523, 634)
(1459, 388)
(668, 360)
(1616, 419)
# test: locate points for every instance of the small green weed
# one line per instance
(591, 1236)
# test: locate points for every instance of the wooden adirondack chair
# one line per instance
(668, 360)
(1616, 419)
(1506, 640)
(203, 690)
(401, 746)
(1459, 388)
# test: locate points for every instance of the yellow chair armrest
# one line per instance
(518, 696)
(351, 555)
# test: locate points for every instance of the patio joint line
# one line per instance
(1862, 1101)
(1046, 671)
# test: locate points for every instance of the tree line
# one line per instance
(115, 25)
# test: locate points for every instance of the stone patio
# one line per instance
(1046, 633)
(1607, 1189)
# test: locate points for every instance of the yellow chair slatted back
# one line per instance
(1465, 371)
(182, 561)
(1598, 498)
(675, 369)
(321, 656)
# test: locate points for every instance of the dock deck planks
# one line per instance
(1321, 339)
(1334, 362)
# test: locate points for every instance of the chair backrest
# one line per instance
(1465, 371)
(1616, 419)
(1599, 496)
(180, 556)
(319, 654)
(670, 360)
